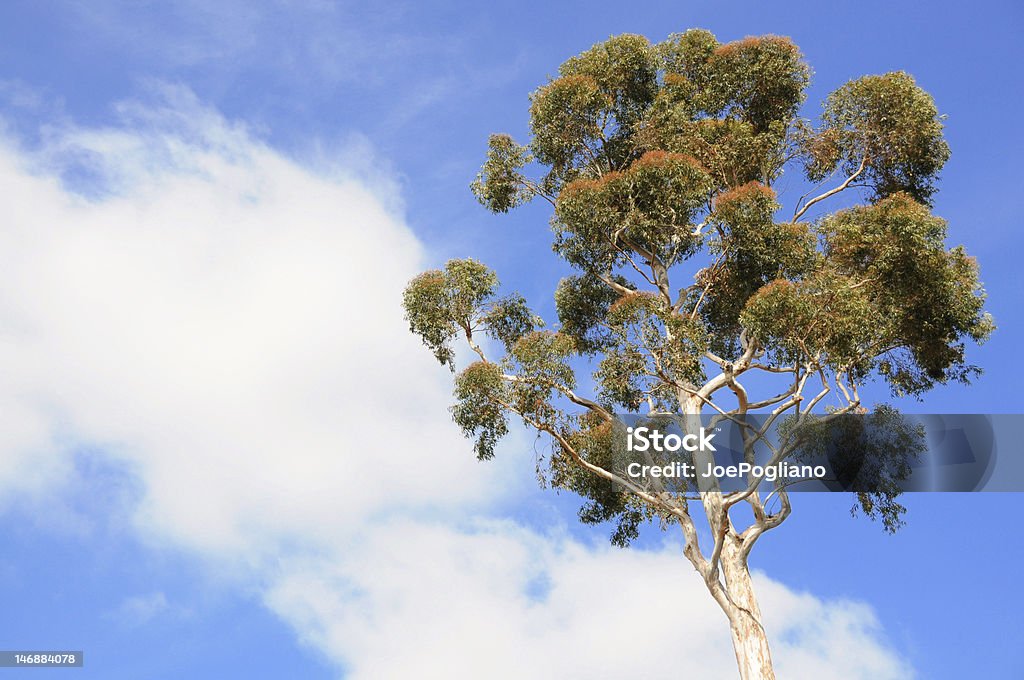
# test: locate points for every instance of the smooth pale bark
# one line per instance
(739, 602)
(749, 640)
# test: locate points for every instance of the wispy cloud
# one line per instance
(385, 65)
(329, 42)
(141, 609)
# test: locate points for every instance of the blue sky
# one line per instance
(342, 129)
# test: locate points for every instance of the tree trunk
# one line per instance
(749, 640)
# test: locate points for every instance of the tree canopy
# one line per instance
(659, 156)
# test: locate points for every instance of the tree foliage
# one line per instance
(659, 162)
(891, 125)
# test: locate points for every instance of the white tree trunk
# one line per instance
(749, 640)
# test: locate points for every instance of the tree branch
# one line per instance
(832, 192)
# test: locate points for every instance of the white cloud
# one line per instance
(499, 601)
(224, 324)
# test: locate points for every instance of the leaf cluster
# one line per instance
(886, 295)
(462, 297)
(891, 125)
(870, 455)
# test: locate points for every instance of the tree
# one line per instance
(659, 162)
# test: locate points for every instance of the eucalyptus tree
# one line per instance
(659, 161)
